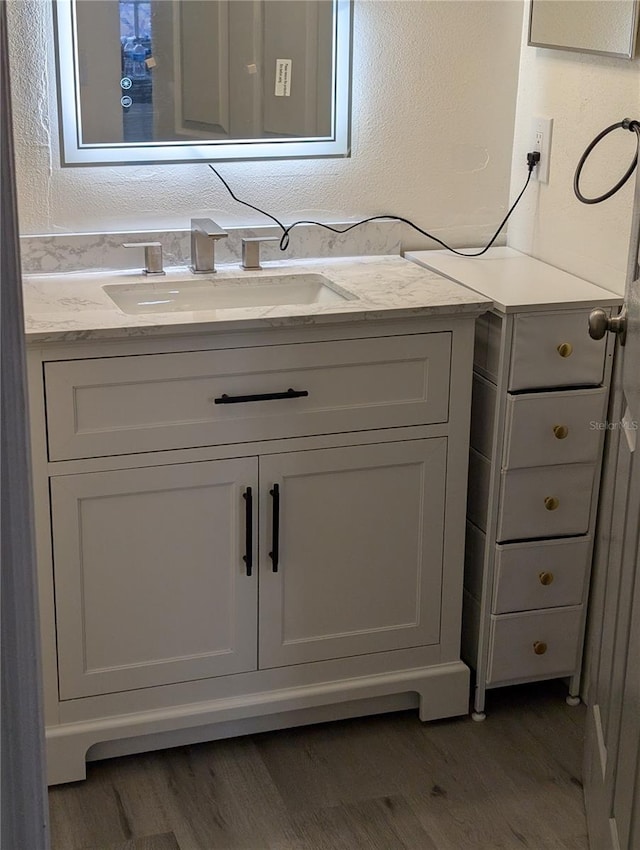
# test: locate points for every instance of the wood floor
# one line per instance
(378, 783)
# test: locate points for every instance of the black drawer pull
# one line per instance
(274, 554)
(239, 399)
(248, 538)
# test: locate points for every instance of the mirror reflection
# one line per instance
(147, 74)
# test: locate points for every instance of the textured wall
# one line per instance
(583, 94)
(434, 93)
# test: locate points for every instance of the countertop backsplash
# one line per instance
(60, 253)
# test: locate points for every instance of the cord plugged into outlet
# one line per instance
(533, 158)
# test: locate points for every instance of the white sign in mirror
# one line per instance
(607, 27)
(148, 81)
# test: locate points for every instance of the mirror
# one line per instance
(148, 81)
(607, 27)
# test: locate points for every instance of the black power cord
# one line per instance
(625, 124)
(532, 160)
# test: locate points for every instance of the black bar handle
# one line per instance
(248, 538)
(274, 554)
(239, 399)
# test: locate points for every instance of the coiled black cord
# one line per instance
(625, 124)
(286, 229)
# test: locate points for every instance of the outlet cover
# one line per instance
(541, 133)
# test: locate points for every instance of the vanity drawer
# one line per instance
(123, 405)
(544, 574)
(558, 427)
(548, 501)
(540, 644)
(555, 350)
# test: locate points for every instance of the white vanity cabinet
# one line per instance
(157, 569)
(240, 531)
(540, 396)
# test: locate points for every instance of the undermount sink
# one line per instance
(171, 296)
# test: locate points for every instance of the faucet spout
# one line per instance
(204, 234)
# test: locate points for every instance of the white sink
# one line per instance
(213, 293)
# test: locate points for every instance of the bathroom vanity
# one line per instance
(248, 517)
(539, 416)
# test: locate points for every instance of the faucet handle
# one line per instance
(152, 256)
(251, 250)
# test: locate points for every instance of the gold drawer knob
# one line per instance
(565, 349)
(551, 503)
(560, 431)
(546, 578)
(539, 647)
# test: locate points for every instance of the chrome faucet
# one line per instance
(152, 256)
(204, 234)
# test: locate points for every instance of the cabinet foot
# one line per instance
(573, 700)
(478, 716)
(66, 760)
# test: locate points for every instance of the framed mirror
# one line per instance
(606, 27)
(149, 81)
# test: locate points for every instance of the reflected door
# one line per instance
(243, 70)
(153, 70)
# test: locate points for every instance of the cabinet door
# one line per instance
(360, 551)
(151, 585)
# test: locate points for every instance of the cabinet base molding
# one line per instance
(439, 691)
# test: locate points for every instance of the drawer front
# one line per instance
(555, 350)
(549, 501)
(545, 574)
(123, 405)
(550, 428)
(541, 644)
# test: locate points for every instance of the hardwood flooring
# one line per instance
(380, 783)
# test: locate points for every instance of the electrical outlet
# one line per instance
(541, 134)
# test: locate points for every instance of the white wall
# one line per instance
(583, 94)
(433, 112)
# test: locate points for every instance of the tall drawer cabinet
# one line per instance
(539, 416)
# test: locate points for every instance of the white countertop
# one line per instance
(515, 282)
(69, 307)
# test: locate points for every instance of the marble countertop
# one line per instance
(74, 306)
(516, 282)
